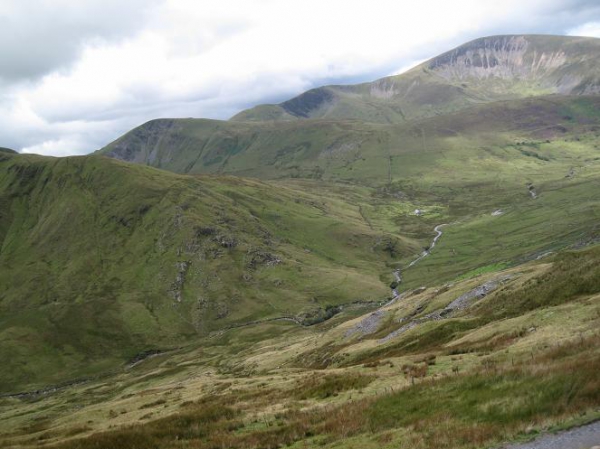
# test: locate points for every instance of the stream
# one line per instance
(397, 273)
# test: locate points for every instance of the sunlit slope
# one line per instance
(367, 153)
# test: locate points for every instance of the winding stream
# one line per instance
(397, 273)
(426, 253)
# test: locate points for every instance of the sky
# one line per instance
(77, 74)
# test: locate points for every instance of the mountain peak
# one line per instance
(517, 58)
(487, 69)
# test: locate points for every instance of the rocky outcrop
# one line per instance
(257, 257)
(517, 59)
(461, 303)
(176, 289)
(367, 325)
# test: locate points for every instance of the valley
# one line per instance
(412, 262)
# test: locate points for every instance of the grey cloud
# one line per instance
(40, 36)
(35, 41)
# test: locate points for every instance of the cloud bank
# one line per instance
(76, 75)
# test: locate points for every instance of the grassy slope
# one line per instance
(535, 338)
(357, 151)
(457, 168)
(523, 359)
(531, 339)
(102, 259)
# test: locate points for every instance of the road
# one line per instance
(584, 437)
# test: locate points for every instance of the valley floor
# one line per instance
(477, 368)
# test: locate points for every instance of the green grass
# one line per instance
(573, 275)
(483, 270)
(101, 260)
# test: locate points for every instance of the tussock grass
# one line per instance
(482, 407)
(320, 386)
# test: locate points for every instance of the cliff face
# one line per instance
(503, 57)
(558, 65)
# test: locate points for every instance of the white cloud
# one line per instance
(590, 29)
(182, 58)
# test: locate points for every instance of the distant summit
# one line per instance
(486, 69)
(508, 88)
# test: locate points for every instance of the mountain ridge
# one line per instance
(546, 64)
(345, 149)
(348, 132)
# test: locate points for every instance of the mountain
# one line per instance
(413, 262)
(7, 150)
(456, 167)
(493, 90)
(484, 70)
(355, 151)
(129, 258)
(100, 260)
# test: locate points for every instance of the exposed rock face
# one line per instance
(514, 59)
(464, 301)
(461, 303)
(367, 325)
(502, 57)
(383, 88)
(177, 286)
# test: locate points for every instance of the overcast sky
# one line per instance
(76, 74)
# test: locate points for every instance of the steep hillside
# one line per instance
(357, 151)
(418, 266)
(487, 69)
(100, 260)
(499, 356)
